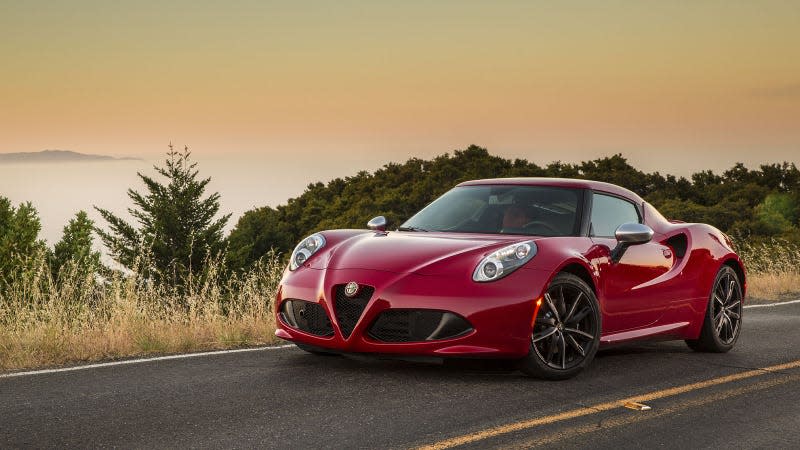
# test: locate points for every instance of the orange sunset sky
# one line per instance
(675, 86)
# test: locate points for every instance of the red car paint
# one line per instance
(655, 291)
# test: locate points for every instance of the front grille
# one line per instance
(306, 316)
(415, 325)
(349, 309)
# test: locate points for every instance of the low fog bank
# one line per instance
(58, 191)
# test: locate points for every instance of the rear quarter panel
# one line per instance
(707, 250)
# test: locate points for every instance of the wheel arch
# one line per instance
(718, 252)
(737, 266)
(579, 270)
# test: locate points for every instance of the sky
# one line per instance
(272, 96)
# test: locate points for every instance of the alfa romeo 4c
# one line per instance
(536, 269)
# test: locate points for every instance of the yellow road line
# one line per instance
(600, 407)
(629, 419)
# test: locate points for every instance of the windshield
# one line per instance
(501, 209)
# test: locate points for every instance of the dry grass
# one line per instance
(46, 323)
(778, 286)
(773, 269)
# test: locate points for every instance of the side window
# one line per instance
(609, 212)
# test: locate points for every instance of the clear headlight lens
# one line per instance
(305, 249)
(504, 261)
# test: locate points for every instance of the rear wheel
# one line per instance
(723, 320)
(566, 331)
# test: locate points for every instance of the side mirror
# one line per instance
(629, 234)
(377, 223)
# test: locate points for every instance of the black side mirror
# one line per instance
(629, 234)
(377, 223)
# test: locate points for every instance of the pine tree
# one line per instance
(20, 246)
(74, 250)
(176, 231)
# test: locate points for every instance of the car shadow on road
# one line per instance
(632, 355)
(390, 366)
(641, 348)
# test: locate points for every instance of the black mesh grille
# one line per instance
(307, 316)
(349, 309)
(414, 325)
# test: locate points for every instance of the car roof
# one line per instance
(558, 182)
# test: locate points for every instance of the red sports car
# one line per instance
(543, 270)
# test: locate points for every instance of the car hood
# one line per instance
(424, 253)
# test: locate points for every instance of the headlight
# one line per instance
(504, 261)
(305, 249)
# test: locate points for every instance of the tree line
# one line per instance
(178, 230)
(757, 203)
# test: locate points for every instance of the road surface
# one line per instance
(286, 398)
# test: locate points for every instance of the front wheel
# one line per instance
(566, 330)
(723, 319)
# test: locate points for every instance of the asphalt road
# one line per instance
(285, 398)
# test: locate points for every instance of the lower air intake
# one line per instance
(306, 316)
(417, 325)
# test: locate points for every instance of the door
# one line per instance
(632, 287)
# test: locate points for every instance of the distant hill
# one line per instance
(54, 156)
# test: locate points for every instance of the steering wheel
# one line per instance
(545, 225)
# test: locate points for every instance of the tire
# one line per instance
(722, 323)
(315, 350)
(561, 349)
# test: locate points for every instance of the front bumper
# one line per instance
(499, 313)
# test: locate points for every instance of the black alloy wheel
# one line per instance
(723, 320)
(566, 332)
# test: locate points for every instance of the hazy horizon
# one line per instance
(354, 83)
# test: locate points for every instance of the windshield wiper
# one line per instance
(412, 229)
